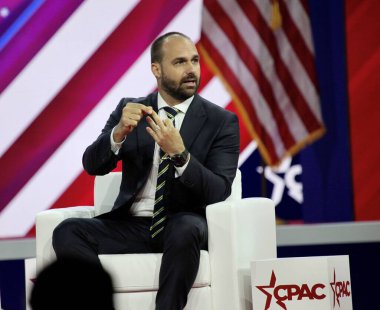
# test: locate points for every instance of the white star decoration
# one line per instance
(4, 12)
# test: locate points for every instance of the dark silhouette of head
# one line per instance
(72, 284)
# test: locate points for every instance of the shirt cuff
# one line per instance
(115, 146)
(180, 170)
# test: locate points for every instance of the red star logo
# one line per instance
(332, 284)
(271, 285)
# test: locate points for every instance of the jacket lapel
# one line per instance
(194, 120)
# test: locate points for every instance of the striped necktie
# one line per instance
(159, 212)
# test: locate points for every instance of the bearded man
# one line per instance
(179, 153)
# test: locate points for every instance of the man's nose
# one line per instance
(191, 67)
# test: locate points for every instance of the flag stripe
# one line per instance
(247, 54)
(39, 29)
(286, 113)
(250, 88)
(305, 7)
(27, 91)
(273, 70)
(245, 110)
(293, 97)
(303, 48)
(301, 89)
(258, 46)
(206, 75)
(79, 193)
(299, 15)
(79, 96)
(215, 92)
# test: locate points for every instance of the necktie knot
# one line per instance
(170, 112)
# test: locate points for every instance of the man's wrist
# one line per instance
(117, 136)
(116, 146)
(179, 160)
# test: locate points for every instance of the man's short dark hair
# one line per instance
(156, 48)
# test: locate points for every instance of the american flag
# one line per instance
(264, 53)
(64, 65)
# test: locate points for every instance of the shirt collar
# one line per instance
(183, 106)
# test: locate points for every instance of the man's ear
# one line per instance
(156, 69)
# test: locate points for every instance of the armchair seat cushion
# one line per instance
(140, 272)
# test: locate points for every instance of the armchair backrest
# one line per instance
(106, 189)
(236, 190)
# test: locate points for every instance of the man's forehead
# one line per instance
(178, 45)
(176, 38)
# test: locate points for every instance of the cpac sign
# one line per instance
(301, 283)
(289, 292)
(340, 289)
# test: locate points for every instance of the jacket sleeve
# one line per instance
(98, 158)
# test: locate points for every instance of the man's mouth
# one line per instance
(190, 82)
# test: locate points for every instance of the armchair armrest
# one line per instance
(239, 231)
(46, 221)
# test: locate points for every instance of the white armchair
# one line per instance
(240, 230)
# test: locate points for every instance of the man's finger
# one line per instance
(136, 117)
(139, 107)
(157, 120)
(152, 133)
(152, 124)
(148, 110)
(132, 123)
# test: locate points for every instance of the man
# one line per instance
(175, 163)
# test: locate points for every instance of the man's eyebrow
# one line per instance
(184, 58)
(179, 58)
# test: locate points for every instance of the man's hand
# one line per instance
(165, 134)
(132, 114)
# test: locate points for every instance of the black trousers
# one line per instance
(185, 234)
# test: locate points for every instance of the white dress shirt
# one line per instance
(144, 202)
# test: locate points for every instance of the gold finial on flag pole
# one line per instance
(276, 18)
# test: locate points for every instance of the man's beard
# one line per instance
(178, 90)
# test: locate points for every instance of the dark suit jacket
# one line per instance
(210, 133)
